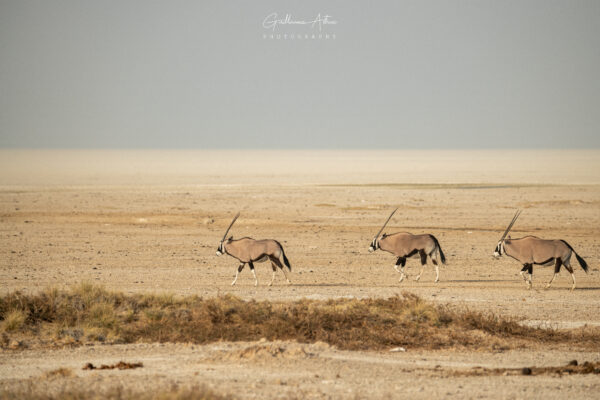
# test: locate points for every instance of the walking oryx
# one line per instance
(531, 250)
(249, 251)
(404, 245)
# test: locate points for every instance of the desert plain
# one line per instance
(144, 221)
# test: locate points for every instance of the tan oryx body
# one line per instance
(248, 251)
(404, 245)
(530, 250)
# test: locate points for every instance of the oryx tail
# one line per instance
(579, 259)
(439, 248)
(285, 259)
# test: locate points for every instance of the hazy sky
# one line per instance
(397, 74)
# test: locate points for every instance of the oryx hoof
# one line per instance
(232, 283)
(270, 284)
(547, 286)
(417, 278)
(436, 280)
(572, 288)
(289, 282)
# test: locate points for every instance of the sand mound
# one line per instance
(270, 350)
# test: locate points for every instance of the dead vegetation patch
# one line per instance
(119, 365)
(89, 313)
(572, 368)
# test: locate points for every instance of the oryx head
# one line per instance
(375, 243)
(220, 249)
(499, 250)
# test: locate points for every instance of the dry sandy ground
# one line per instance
(151, 222)
(291, 370)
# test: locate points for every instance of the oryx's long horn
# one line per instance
(386, 222)
(511, 224)
(230, 225)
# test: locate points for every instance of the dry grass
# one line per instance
(194, 393)
(14, 320)
(91, 313)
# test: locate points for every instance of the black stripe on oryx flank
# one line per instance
(545, 262)
(528, 268)
(412, 253)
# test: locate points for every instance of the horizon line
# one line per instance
(292, 149)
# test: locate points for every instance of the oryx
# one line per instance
(404, 245)
(249, 251)
(531, 250)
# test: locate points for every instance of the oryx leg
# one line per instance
(253, 273)
(423, 262)
(568, 267)
(274, 270)
(240, 268)
(556, 271)
(281, 267)
(529, 269)
(525, 268)
(437, 270)
(402, 262)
